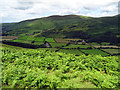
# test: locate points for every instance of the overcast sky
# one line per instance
(18, 10)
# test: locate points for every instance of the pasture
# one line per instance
(67, 45)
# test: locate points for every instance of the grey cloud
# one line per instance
(107, 11)
(110, 7)
(22, 8)
(87, 8)
(112, 3)
(119, 7)
(90, 7)
(33, 13)
(24, 5)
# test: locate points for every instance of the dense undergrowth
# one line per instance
(27, 68)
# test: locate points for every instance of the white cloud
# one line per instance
(17, 10)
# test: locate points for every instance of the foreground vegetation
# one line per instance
(40, 68)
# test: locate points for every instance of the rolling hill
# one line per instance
(103, 29)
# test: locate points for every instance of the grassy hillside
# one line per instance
(40, 24)
(69, 26)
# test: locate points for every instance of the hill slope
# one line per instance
(69, 26)
(41, 24)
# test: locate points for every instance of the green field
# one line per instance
(71, 51)
(38, 43)
(28, 42)
(40, 39)
(89, 49)
(105, 43)
(94, 52)
(77, 46)
(18, 40)
(50, 40)
(50, 49)
(112, 51)
(57, 44)
(31, 38)
(94, 43)
(40, 68)
(23, 37)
